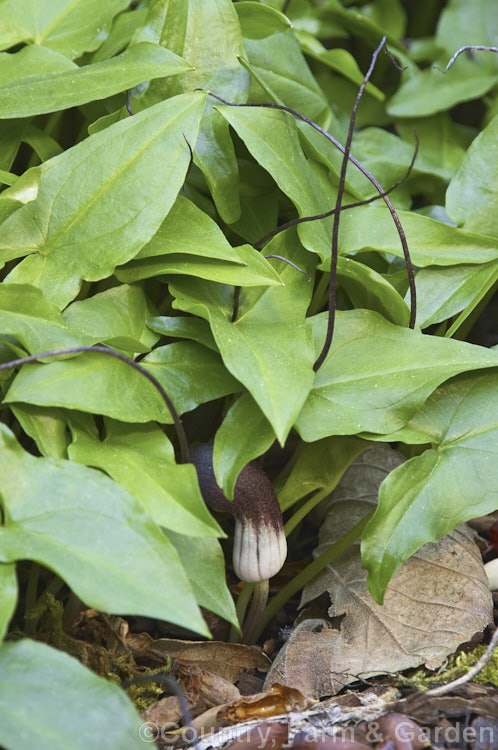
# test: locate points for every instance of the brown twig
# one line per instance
(394, 61)
(363, 170)
(290, 263)
(302, 219)
(316, 217)
(467, 48)
(180, 432)
(335, 229)
(473, 671)
(170, 686)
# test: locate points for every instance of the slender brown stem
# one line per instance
(290, 263)
(335, 229)
(180, 432)
(468, 676)
(368, 175)
(467, 48)
(394, 61)
(171, 686)
(315, 217)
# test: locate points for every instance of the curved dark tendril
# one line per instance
(394, 61)
(286, 260)
(467, 48)
(285, 6)
(303, 219)
(180, 432)
(128, 105)
(173, 688)
(368, 175)
(335, 229)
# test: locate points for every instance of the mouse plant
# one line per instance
(232, 259)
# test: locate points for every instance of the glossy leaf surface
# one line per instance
(26, 667)
(67, 26)
(51, 513)
(472, 197)
(140, 458)
(100, 202)
(273, 140)
(268, 348)
(116, 317)
(47, 90)
(100, 384)
(37, 323)
(244, 435)
(204, 564)
(430, 242)
(253, 270)
(377, 375)
(455, 478)
(180, 25)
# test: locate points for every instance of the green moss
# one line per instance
(458, 665)
(144, 694)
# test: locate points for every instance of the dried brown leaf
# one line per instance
(469, 699)
(439, 599)
(165, 713)
(227, 660)
(199, 685)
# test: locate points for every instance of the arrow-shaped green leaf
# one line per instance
(454, 481)
(99, 202)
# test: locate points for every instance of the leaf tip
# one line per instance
(376, 589)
